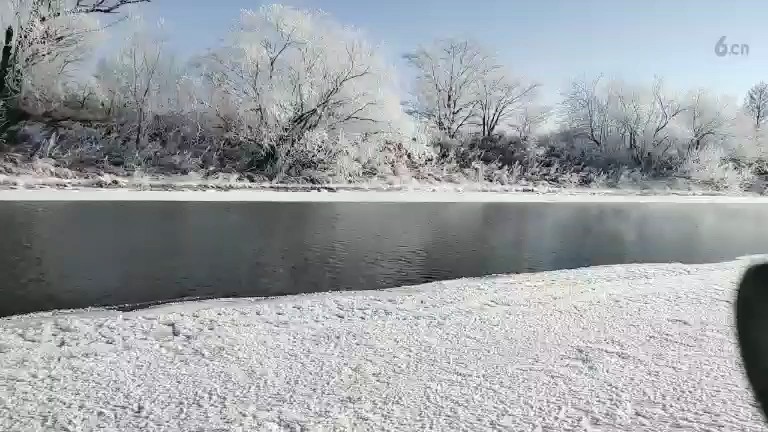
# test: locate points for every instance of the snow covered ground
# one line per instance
(635, 347)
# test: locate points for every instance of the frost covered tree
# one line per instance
(459, 84)
(445, 94)
(643, 118)
(586, 111)
(707, 119)
(499, 98)
(139, 81)
(638, 122)
(289, 80)
(43, 40)
(756, 104)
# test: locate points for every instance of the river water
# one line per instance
(58, 255)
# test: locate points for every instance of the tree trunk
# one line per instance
(10, 115)
(5, 62)
(139, 130)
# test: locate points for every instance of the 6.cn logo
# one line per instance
(723, 49)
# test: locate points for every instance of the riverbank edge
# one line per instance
(377, 195)
(191, 305)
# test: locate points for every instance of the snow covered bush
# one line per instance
(612, 124)
(712, 165)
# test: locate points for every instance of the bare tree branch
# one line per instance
(102, 6)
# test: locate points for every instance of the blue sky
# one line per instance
(551, 41)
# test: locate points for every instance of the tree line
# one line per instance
(293, 92)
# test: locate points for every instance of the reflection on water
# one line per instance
(68, 255)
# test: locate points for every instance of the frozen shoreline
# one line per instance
(577, 196)
(634, 347)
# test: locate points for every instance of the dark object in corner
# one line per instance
(752, 330)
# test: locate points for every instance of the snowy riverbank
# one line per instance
(40, 177)
(636, 347)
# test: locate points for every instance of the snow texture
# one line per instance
(634, 347)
